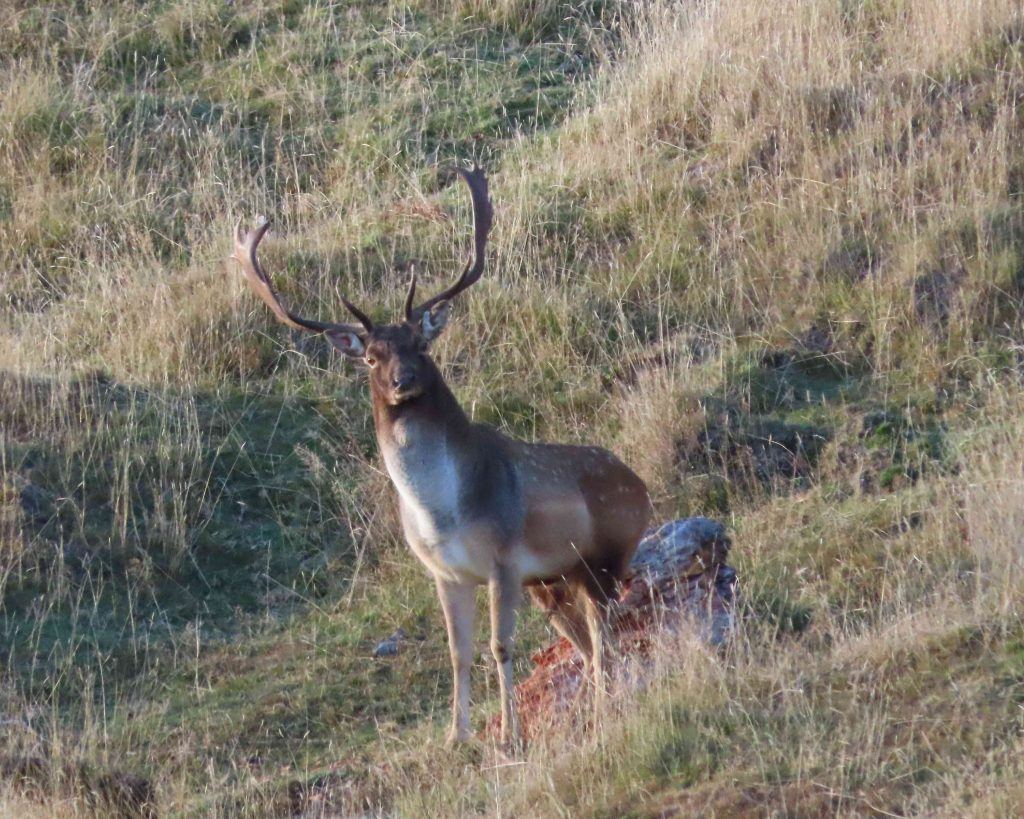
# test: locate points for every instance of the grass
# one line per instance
(773, 258)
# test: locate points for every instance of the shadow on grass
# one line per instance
(129, 513)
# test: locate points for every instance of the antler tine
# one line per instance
(245, 255)
(483, 215)
(359, 314)
(409, 298)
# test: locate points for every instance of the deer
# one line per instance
(478, 507)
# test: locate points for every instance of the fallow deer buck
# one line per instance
(477, 506)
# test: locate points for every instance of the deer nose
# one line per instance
(403, 381)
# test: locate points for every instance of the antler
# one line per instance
(245, 254)
(483, 215)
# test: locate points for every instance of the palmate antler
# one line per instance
(245, 254)
(483, 215)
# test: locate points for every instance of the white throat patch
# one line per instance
(425, 474)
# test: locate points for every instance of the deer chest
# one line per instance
(426, 478)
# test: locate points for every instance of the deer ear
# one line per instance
(347, 342)
(434, 320)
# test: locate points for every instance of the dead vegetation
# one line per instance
(770, 256)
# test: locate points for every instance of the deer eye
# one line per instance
(370, 361)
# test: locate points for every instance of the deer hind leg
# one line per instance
(458, 600)
(505, 594)
(562, 607)
(598, 590)
(597, 628)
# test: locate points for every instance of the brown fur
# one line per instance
(478, 507)
(563, 521)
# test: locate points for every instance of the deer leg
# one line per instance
(597, 628)
(569, 619)
(561, 606)
(598, 589)
(505, 592)
(458, 600)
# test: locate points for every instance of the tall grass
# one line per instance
(772, 256)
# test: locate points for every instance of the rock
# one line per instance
(388, 647)
(680, 567)
(688, 546)
(678, 580)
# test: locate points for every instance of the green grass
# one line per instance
(773, 258)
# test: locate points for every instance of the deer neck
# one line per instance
(434, 415)
(421, 441)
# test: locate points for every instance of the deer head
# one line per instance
(397, 354)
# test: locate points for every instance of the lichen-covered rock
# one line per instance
(680, 568)
(678, 580)
(390, 646)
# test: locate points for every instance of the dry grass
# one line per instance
(774, 257)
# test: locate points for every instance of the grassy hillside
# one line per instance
(773, 257)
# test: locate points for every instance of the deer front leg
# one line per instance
(505, 592)
(458, 600)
